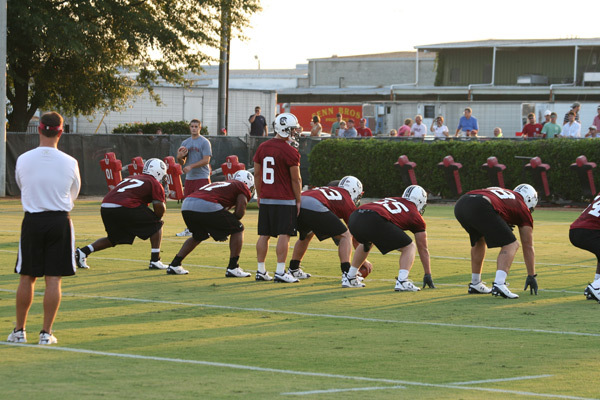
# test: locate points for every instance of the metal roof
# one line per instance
(512, 43)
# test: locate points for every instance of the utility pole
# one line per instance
(3, 19)
(224, 66)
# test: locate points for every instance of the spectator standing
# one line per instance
(278, 189)
(316, 128)
(258, 123)
(467, 124)
(498, 132)
(438, 128)
(49, 182)
(350, 130)
(551, 129)
(404, 130)
(336, 125)
(363, 130)
(575, 107)
(572, 129)
(596, 122)
(418, 129)
(592, 132)
(158, 131)
(547, 117)
(532, 128)
(342, 129)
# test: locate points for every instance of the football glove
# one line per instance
(427, 281)
(532, 283)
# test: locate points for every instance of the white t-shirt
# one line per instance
(419, 130)
(439, 131)
(49, 180)
(573, 131)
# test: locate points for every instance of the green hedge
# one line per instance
(372, 161)
(168, 128)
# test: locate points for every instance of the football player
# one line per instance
(205, 213)
(585, 234)
(278, 187)
(320, 212)
(382, 223)
(489, 215)
(125, 213)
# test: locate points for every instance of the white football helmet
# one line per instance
(247, 178)
(285, 124)
(417, 195)
(529, 195)
(353, 186)
(155, 167)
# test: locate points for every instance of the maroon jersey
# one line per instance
(276, 157)
(509, 205)
(590, 217)
(401, 212)
(135, 191)
(223, 193)
(336, 199)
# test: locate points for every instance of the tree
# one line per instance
(82, 55)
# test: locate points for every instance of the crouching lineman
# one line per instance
(125, 213)
(320, 212)
(585, 234)
(382, 223)
(205, 214)
(488, 215)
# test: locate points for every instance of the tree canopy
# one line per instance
(78, 56)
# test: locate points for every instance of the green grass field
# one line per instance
(128, 332)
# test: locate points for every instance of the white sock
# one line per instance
(402, 275)
(280, 268)
(475, 278)
(89, 246)
(352, 272)
(155, 251)
(597, 277)
(596, 283)
(261, 267)
(500, 277)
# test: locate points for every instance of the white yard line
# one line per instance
(309, 392)
(289, 372)
(517, 378)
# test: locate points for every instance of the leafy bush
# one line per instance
(372, 161)
(168, 128)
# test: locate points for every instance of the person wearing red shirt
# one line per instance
(585, 234)
(206, 214)
(126, 215)
(382, 223)
(532, 128)
(363, 130)
(278, 188)
(489, 215)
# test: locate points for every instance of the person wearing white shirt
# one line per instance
(438, 128)
(418, 129)
(571, 129)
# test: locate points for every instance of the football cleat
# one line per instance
(502, 290)
(298, 273)
(405, 286)
(80, 259)
(157, 265)
(479, 288)
(285, 278)
(236, 273)
(260, 276)
(47, 338)
(592, 293)
(177, 270)
(351, 282)
(185, 232)
(17, 336)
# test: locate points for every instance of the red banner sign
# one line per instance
(327, 114)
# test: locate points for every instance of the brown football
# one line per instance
(365, 269)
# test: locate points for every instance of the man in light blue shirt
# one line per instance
(467, 124)
(351, 131)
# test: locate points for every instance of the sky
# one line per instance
(289, 32)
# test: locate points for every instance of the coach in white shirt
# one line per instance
(418, 129)
(571, 129)
(49, 181)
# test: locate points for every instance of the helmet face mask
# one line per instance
(353, 186)
(156, 168)
(529, 195)
(247, 178)
(417, 195)
(285, 124)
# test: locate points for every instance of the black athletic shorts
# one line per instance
(275, 220)
(219, 224)
(323, 224)
(123, 224)
(369, 228)
(586, 239)
(47, 246)
(478, 218)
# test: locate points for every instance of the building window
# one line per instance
(454, 75)
(429, 111)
